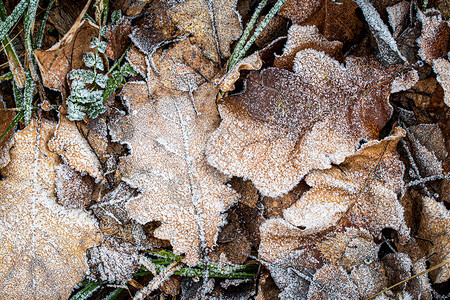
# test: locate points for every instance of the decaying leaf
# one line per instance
(336, 21)
(362, 190)
(214, 25)
(434, 227)
(74, 149)
(252, 62)
(43, 244)
(56, 62)
(285, 124)
(171, 116)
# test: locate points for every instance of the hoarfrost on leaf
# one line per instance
(284, 124)
(43, 244)
(167, 128)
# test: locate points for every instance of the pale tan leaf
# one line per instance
(332, 282)
(43, 244)
(214, 25)
(171, 116)
(286, 124)
(252, 62)
(70, 144)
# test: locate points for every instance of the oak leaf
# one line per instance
(434, 38)
(285, 124)
(214, 25)
(43, 244)
(171, 116)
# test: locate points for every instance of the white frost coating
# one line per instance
(379, 28)
(43, 243)
(442, 68)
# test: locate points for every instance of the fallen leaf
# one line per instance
(349, 249)
(304, 37)
(398, 15)
(113, 261)
(434, 227)
(442, 69)
(336, 21)
(294, 273)
(71, 145)
(56, 62)
(332, 282)
(252, 62)
(285, 124)
(214, 25)
(363, 190)
(72, 189)
(117, 38)
(170, 118)
(153, 28)
(388, 51)
(434, 39)
(428, 148)
(43, 244)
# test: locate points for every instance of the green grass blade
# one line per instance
(28, 98)
(9, 22)
(17, 119)
(30, 17)
(40, 33)
(86, 291)
(240, 54)
(248, 29)
(18, 95)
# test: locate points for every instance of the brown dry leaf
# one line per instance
(56, 62)
(214, 25)
(74, 149)
(285, 124)
(434, 40)
(304, 37)
(363, 190)
(435, 227)
(117, 37)
(170, 118)
(43, 244)
(336, 21)
(6, 142)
